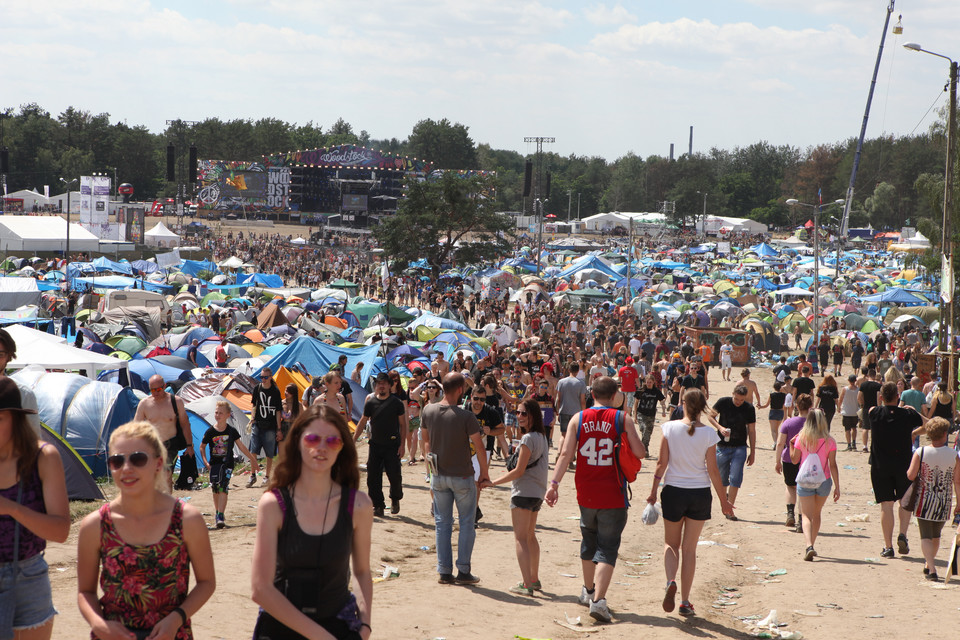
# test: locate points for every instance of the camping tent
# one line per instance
(18, 292)
(81, 485)
(161, 236)
(82, 411)
(316, 357)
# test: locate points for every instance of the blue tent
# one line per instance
(316, 357)
(764, 250)
(635, 283)
(590, 262)
(104, 264)
(194, 267)
(83, 411)
(436, 322)
(140, 370)
(270, 280)
(896, 296)
(119, 282)
(144, 266)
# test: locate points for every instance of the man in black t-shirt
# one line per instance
(647, 396)
(740, 417)
(868, 399)
(266, 422)
(804, 384)
(695, 379)
(891, 452)
(388, 425)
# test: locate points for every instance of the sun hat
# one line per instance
(10, 399)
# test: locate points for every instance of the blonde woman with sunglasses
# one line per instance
(140, 547)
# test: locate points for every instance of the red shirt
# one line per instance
(628, 379)
(597, 480)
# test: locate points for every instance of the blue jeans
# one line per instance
(730, 461)
(448, 490)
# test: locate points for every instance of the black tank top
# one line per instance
(943, 410)
(314, 571)
(777, 399)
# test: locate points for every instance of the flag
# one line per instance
(820, 195)
(946, 279)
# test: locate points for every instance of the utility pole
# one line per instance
(537, 201)
(569, 202)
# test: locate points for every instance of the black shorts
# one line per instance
(530, 504)
(888, 486)
(850, 422)
(678, 503)
(790, 471)
(220, 474)
(172, 453)
(865, 419)
(930, 529)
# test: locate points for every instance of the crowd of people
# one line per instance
(575, 393)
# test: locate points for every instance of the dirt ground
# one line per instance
(848, 592)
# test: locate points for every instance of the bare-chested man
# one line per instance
(157, 409)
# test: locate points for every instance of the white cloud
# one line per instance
(601, 14)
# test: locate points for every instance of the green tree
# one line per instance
(882, 206)
(445, 220)
(446, 145)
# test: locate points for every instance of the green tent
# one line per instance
(365, 312)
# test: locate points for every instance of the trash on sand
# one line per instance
(753, 567)
(566, 625)
(713, 543)
(878, 615)
(849, 467)
(830, 605)
(573, 621)
(388, 572)
(841, 524)
(770, 620)
(777, 572)
(424, 548)
(860, 517)
(568, 575)
(809, 614)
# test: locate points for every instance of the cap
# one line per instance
(10, 397)
(676, 355)
(629, 360)
(383, 377)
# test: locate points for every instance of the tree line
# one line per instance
(900, 180)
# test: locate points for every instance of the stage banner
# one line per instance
(86, 200)
(946, 279)
(100, 212)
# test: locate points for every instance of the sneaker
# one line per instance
(808, 554)
(599, 611)
(933, 577)
(221, 522)
(266, 481)
(536, 586)
(687, 610)
(926, 571)
(394, 507)
(252, 481)
(887, 552)
(447, 578)
(467, 578)
(865, 449)
(799, 528)
(669, 597)
(585, 596)
(378, 512)
(791, 520)
(902, 545)
(519, 589)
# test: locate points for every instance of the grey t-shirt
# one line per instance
(568, 395)
(533, 483)
(449, 429)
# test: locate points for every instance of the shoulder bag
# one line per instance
(910, 497)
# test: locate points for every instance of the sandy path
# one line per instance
(865, 597)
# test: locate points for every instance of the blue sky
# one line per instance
(602, 78)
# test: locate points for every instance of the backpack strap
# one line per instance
(625, 488)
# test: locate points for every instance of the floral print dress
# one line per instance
(142, 584)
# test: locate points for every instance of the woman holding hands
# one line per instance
(815, 439)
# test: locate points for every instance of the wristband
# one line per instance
(656, 477)
(183, 615)
(555, 483)
(364, 624)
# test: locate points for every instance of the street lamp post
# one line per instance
(66, 253)
(816, 259)
(946, 242)
(703, 218)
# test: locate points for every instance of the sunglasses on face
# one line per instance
(522, 413)
(314, 440)
(155, 389)
(137, 458)
(479, 398)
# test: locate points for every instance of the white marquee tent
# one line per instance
(161, 236)
(713, 225)
(44, 233)
(50, 352)
(607, 221)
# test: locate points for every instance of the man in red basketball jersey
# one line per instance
(601, 490)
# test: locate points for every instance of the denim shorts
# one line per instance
(775, 414)
(823, 490)
(265, 440)
(33, 600)
(522, 502)
(730, 460)
(601, 530)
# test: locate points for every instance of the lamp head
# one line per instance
(839, 201)
(913, 46)
(792, 201)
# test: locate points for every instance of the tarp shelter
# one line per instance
(268, 280)
(83, 411)
(895, 296)
(590, 262)
(366, 311)
(316, 357)
(18, 292)
(713, 224)
(160, 236)
(44, 350)
(44, 233)
(81, 485)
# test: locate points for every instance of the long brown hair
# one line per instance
(25, 445)
(694, 402)
(534, 416)
(345, 470)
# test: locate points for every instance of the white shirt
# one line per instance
(687, 468)
(634, 345)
